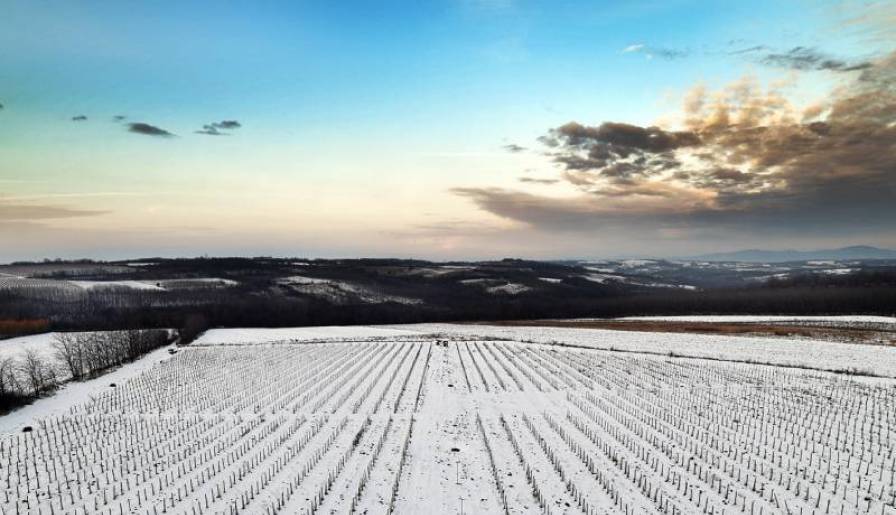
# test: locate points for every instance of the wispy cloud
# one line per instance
(806, 58)
(227, 124)
(531, 180)
(748, 50)
(79, 118)
(148, 130)
(88, 194)
(30, 212)
(514, 148)
(650, 52)
(801, 58)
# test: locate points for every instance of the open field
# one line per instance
(840, 320)
(870, 360)
(877, 333)
(410, 422)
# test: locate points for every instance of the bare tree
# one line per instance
(39, 375)
(9, 383)
(70, 350)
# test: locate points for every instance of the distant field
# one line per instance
(473, 419)
(819, 319)
(870, 330)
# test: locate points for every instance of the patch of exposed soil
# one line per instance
(834, 334)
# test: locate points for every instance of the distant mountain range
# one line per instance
(778, 256)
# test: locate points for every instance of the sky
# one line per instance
(455, 129)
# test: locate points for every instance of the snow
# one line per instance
(553, 280)
(27, 285)
(255, 335)
(601, 270)
(769, 318)
(134, 285)
(508, 289)
(838, 271)
(156, 285)
(604, 278)
(481, 419)
(820, 355)
(74, 393)
(301, 279)
(340, 292)
(41, 344)
(637, 262)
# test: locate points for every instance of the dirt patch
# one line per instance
(844, 335)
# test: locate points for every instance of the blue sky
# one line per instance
(360, 122)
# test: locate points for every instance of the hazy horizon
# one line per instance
(247, 253)
(463, 129)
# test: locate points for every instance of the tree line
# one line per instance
(74, 356)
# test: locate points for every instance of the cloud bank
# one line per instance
(743, 159)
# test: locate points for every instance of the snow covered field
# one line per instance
(821, 355)
(300, 334)
(771, 318)
(860, 322)
(398, 419)
(41, 344)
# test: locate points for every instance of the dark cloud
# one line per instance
(514, 148)
(620, 138)
(214, 129)
(119, 118)
(79, 118)
(806, 58)
(1, 106)
(746, 160)
(148, 130)
(209, 130)
(616, 151)
(227, 124)
(29, 212)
